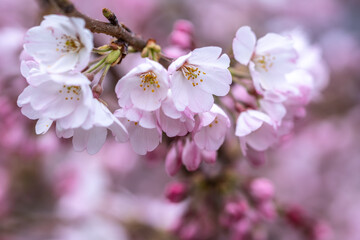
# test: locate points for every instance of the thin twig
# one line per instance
(118, 31)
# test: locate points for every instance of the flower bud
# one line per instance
(176, 192)
(97, 91)
(261, 189)
(233, 212)
(184, 26)
(267, 210)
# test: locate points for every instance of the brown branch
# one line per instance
(117, 31)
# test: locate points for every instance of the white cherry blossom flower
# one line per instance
(269, 58)
(144, 87)
(70, 101)
(195, 77)
(60, 43)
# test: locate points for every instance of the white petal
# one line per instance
(144, 140)
(43, 125)
(97, 138)
(216, 81)
(244, 45)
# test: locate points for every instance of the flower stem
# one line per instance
(107, 67)
(96, 65)
(239, 74)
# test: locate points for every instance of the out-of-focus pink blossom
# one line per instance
(269, 58)
(176, 192)
(262, 189)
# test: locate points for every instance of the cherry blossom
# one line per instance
(255, 129)
(195, 77)
(91, 135)
(269, 58)
(212, 128)
(142, 139)
(60, 43)
(69, 101)
(174, 122)
(144, 87)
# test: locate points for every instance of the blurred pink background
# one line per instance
(48, 191)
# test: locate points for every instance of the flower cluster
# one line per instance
(177, 101)
(272, 86)
(54, 55)
(280, 86)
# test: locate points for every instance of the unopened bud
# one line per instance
(261, 189)
(176, 192)
(97, 91)
(89, 76)
(110, 16)
(233, 212)
(267, 210)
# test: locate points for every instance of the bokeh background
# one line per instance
(48, 191)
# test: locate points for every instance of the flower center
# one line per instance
(71, 92)
(193, 74)
(67, 44)
(264, 62)
(216, 121)
(149, 81)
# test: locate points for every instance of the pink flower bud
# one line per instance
(267, 210)
(261, 189)
(296, 216)
(173, 159)
(181, 39)
(321, 231)
(184, 26)
(176, 192)
(97, 90)
(233, 212)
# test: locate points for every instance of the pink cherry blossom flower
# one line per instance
(195, 77)
(144, 87)
(269, 58)
(212, 128)
(91, 135)
(142, 139)
(146, 119)
(174, 122)
(60, 43)
(255, 129)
